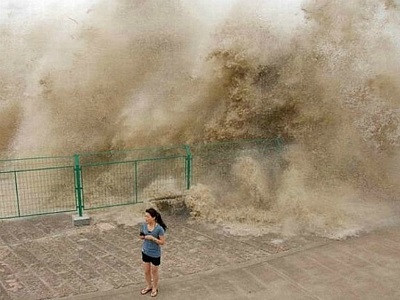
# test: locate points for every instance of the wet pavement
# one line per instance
(48, 258)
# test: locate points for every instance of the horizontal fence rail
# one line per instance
(47, 185)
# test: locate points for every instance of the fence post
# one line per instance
(279, 142)
(17, 193)
(188, 167)
(136, 181)
(78, 185)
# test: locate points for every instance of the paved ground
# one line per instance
(46, 257)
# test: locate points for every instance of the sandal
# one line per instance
(146, 290)
(154, 293)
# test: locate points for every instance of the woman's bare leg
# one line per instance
(154, 275)
(147, 274)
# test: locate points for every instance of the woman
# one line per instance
(152, 234)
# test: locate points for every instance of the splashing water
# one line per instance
(324, 75)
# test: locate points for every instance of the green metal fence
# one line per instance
(216, 160)
(47, 185)
(36, 186)
(128, 177)
(222, 165)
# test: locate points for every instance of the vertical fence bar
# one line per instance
(188, 167)
(17, 193)
(136, 182)
(279, 143)
(78, 185)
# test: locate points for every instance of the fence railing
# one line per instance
(36, 186)
(47, 185)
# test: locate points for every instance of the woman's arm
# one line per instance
(160, 241)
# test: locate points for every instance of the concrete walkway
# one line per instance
(361, 268)
(48, 258)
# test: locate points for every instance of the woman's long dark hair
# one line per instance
(155, 214)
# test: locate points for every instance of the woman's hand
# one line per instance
(149, 237)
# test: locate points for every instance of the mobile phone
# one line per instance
(141, 233)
